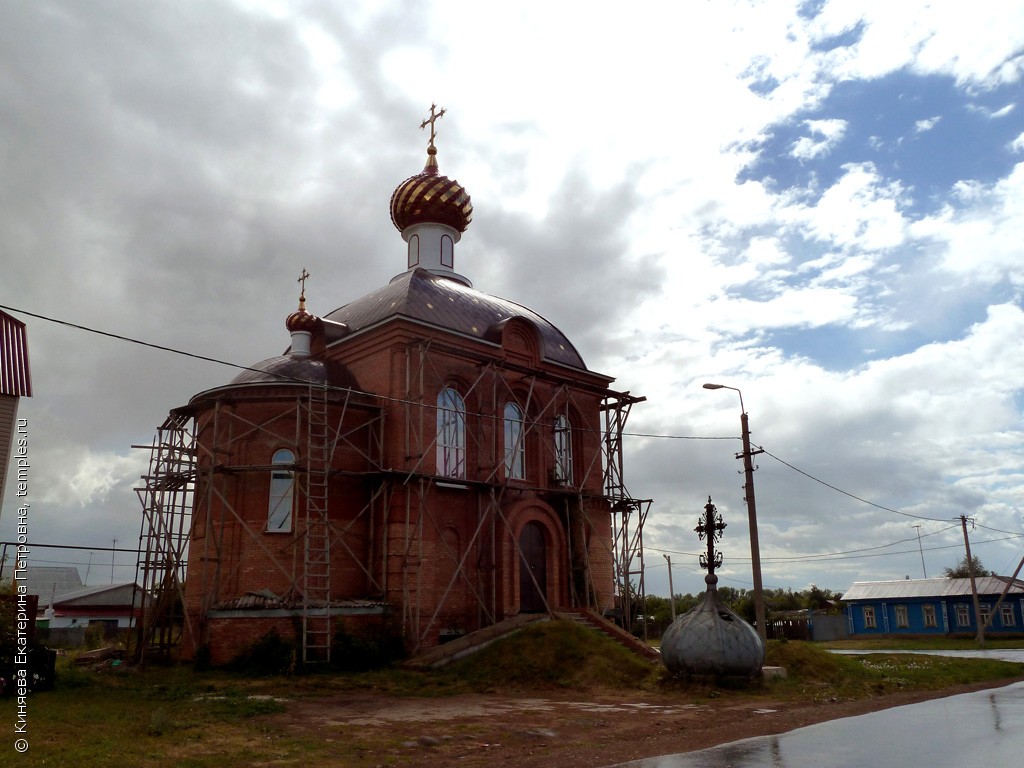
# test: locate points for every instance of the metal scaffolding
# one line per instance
(167, 499)
(628, 514)
(397, 518)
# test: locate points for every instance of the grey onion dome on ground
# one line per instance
(712, 639)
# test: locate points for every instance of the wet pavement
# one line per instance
(981, 728)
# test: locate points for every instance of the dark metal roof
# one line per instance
(289, 369)
(447, 303)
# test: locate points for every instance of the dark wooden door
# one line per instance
(533, 568)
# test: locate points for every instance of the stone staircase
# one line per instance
(463, 646)
(600, 624)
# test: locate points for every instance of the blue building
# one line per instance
(933, 606)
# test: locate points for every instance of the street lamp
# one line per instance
(748, 489)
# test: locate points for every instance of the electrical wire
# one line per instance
(851, 495)
(206, 358)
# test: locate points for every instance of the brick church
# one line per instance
(428, 457)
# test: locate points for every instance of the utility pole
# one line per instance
(921, 550)
(671, 591)
(755, 547)
(748, 494)
(112, 552)
(974, 584)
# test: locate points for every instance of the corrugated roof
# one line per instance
(14, 371)
(911, 588)
(259, 601)
(107, 594)
(52, 581)
(447, 303)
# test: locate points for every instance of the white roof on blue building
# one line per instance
(918, 588)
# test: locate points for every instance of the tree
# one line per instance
(961, 571)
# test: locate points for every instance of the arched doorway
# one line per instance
(533, 568)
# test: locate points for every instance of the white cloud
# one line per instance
(78, 476)
(172, 169)
(825, 135)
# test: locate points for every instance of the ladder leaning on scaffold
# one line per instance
(316, 580)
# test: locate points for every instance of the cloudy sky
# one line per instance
(819, 203)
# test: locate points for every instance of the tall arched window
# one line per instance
(563, 450)
(282, 492)
(451, 434)
(515, 443)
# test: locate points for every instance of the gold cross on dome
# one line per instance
(434, 117)
(302, 294)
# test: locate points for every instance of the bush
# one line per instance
(270, 655)
(371, 650)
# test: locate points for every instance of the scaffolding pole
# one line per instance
(628, 514)
(163, 540)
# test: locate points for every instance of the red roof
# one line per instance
(14, 374)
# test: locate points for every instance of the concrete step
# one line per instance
(463, 646)
(614, 631)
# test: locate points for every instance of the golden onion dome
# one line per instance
(302, 320)
(429, 197)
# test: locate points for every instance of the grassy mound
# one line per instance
(555, 654)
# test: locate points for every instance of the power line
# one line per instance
(851, 495)
(656, 436)
(851, 554)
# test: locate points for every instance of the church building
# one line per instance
(428, 458)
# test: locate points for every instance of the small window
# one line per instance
(902, 621)
(414, 251)
(985, 611)
(282, 492)
(963, 615)
(928, 612)
(1006, 615)
(515, 445)
(869, 617)
(563, 450)
(451, 434)
(447, 252)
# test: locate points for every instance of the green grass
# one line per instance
(555, 654)
(164, 717)
(810, 667)
(923, 644)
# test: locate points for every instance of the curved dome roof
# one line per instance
(429, 197)
(289, 369)
(301, 320)
(446, 303)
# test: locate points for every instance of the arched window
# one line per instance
(451, 434)
(414, 251)
(282, 492)
(515, 443)
(447, 252)
(563, 450)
